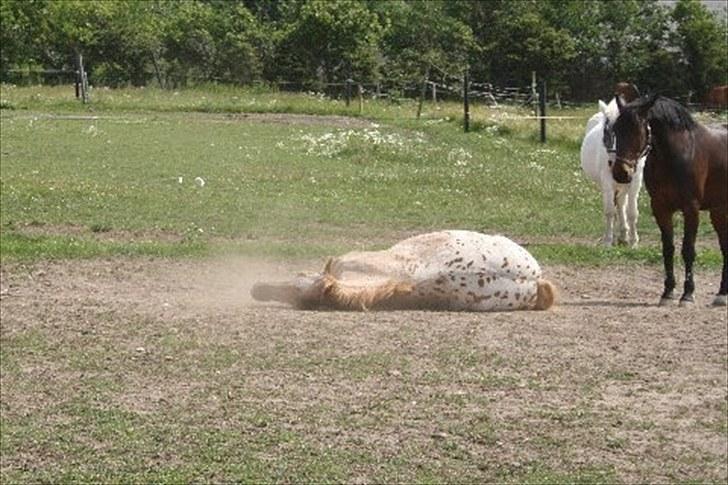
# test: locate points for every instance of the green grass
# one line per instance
(29, 248)
(253, 401)
(88, 430)
(124, 183)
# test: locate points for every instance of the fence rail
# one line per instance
(437, 88)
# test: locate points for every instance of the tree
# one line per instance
(423, 40)
(325, 41)
(23, 29)
(702, 43)
(131, 43)
(516, 38)
(582, 47)
(241, 43)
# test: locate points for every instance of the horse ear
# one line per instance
(637, 91)
(602, 106)
(620, 104)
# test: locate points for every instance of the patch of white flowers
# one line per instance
(326, 145)
(332, 144)
(459, 156)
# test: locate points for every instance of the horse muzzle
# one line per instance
(623, 171)
(622, 177)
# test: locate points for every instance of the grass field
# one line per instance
(130, 231)
(72, 175)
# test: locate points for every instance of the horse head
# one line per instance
(629, 138)
(302, 289)
(628, 92)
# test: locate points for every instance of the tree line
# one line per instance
(582, 47)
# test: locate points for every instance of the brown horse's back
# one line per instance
(713, 145)
(717, 97)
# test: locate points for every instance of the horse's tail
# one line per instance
(545, 295)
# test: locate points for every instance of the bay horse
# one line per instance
(686, 170)
(717, 97)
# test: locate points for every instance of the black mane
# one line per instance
(668, 112)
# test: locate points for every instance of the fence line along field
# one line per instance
(133, 229)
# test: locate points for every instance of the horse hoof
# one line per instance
(686, 302)
(720, 301)
(666, 301)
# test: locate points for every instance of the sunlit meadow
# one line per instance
(146, 363)
(184, 172)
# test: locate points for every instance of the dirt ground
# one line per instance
(606, 380)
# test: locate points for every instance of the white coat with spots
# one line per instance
(447, 270)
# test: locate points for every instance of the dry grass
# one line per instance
(129, 370)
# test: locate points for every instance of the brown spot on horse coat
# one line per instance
(456, 260)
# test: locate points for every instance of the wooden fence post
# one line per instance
(84, 87)
(348, 92)
(542, 109)
(434, 92)
(466, 103)
(78, 83)
(534, 93)
(83, 79)
(361, 98)
(423, 91)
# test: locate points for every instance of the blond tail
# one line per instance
(545, 295)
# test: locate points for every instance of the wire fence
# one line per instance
(51, 77)
(445, 87)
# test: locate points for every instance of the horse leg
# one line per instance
(632, 214)
(609, 213)
(620, 200)
(691, 219)
(719, 219)
(663, 218)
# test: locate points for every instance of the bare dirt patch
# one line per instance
(607, 381)
(303, 119)
(276, 118)
(97, 233)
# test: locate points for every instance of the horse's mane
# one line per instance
(666, 111)
(339, 295)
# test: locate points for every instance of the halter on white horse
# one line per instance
(619, 201)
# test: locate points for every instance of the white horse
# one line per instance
(619, 200)
(446, 270)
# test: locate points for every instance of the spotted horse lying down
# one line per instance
(447, 270)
